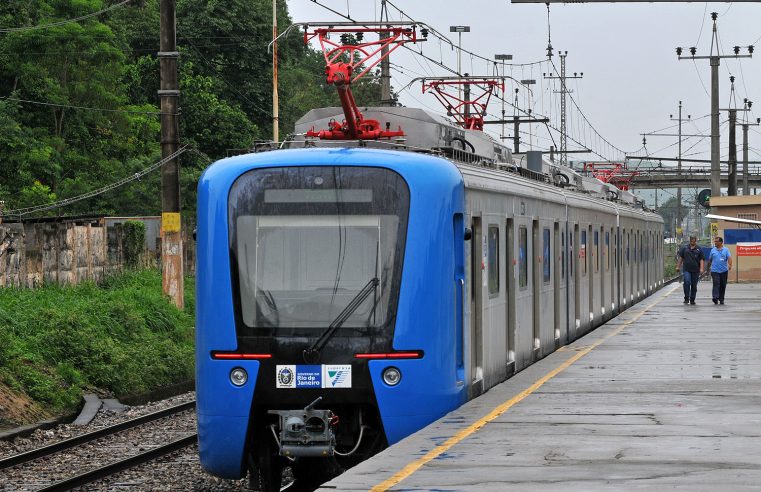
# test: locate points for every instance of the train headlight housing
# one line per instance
(392, 376)
(238, 376)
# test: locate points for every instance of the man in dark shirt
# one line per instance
(692, 259)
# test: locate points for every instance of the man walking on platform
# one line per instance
(720, 263)
(692, 259)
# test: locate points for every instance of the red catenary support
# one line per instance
(349, 60)
(466, 110)
(610, 172)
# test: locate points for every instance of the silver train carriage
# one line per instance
(553, 254)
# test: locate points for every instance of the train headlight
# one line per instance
(238, 376)
(392, 376)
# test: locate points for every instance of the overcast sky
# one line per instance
(632, 79)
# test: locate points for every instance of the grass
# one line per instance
(120, 337)
(669, 260)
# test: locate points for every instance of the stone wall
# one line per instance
(70, 251)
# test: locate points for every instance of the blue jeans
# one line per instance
(719, 285)
(690, 284)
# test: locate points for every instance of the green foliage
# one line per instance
(36, 194)
(134, 242)
(669, 260)
(122, 337)
(668, 212)
(110, 62)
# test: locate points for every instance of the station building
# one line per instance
(743, 240)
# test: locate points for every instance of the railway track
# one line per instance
(93, 456)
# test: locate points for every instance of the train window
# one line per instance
(583, 253)
(597, 251)
(570, 254)
(607, 251)
(493, 259)
(628, 238)
(562, 255)
(308, 243)
(522, 259)
(546, 257)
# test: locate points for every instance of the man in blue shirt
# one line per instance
(720, 263)
(691, 261)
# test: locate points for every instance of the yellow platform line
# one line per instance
(503, 407)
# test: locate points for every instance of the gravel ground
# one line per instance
(180, 470)
(176, 471)
(104, 418)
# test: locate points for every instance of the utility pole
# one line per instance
(732, 158)
(679, 165)
(715, 61)
(517, 121)
(747, 105)
(732, 171)
(459, 30)
(502, 58)
(385, 66)
(679, 135)
(171, 224)
(275, 102)
(563, 91)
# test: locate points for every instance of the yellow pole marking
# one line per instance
(503, 407)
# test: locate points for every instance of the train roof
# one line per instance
(430, 133)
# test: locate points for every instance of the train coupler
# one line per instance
(305, 433)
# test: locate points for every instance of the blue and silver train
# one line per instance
(347, 296)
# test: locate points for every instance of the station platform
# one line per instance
(665, 396)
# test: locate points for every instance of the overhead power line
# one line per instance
(64, 22)
(19, 212)
(85, 108)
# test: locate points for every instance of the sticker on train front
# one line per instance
(337, 376)
(313, 376)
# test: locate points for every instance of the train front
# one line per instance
(326, 320)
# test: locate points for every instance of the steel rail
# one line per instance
(121, 465)
(91, 436)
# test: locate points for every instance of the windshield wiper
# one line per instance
(312, 354)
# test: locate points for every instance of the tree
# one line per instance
(668, 212)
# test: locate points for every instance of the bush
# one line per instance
(121, 337)
(134, 242)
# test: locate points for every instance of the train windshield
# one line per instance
(305, 241)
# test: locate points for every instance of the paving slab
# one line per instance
(666, 396)
(92, 405)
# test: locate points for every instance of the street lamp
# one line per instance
(502, 58)
(459, 30)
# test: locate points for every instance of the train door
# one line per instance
(603, 250)
(594, 268)
(476, 307)
(536, 280)
(576, 273)
(556, 260)
(459, 281)
(631, 256)
(616, 271)
(609, 273)
(510, 268)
